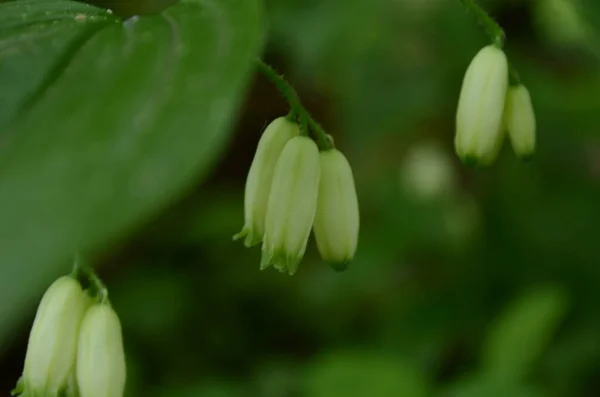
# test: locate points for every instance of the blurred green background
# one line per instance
(465, 283)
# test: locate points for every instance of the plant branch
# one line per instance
(297, 109)
(491, 27)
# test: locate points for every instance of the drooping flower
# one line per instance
(292, 205)
(101, 368)
(479, 132)
(519, 119)
(52, 346)
(336, 225)
(260, 177)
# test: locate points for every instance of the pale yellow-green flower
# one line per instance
(336, 225)
(101, 368)
(519, 119)
(52, 346)
(292, 205)
(260, 177)
(479, 132)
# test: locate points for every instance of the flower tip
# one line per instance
(340, 266)
(264, 263)
(250, 237)
(527, 158)
(472, 161)
(19, 388)
(292, 263)
(252, 240)
(285, 263)
(266, 259)
(240, 235)
(280, 262)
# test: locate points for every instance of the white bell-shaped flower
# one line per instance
(258, 183)
(52, 346)
(479, 132)
(101, 368)
(519, 119)
(336, 225)
(292, 205)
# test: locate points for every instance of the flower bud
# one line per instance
(519, 119)
(292, 205)
(260, 177)
(101, 370)
(479, 132)
(52, 346)
(337, 218)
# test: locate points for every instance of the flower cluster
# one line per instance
(75, 346)
(489, 108)
(293, 188)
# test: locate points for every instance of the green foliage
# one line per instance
(356, 374)
(115, 121)
(481, 386)
(522, 333)
(487, 285)
(37, 40)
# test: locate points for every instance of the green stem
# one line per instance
(291, 116)
(97, 287)
(287, 91)
(491, 27)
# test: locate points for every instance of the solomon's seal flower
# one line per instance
(337, 219)
(292, 205)
(260, 177)
(479, 132)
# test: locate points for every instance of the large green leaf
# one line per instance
(133, 7)
(36, 39)
(139, 113)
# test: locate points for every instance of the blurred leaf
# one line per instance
(484, 387)
(356, 374)
(141, 111)
(212, 389)
(561, 22)
(522, 333)
(277, 379)
(571, 360)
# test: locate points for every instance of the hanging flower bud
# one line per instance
(337, 218)
(260, 177)
(52, 346)
(479, 132)
(101, 370)
(519, 119)
(292, 205)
